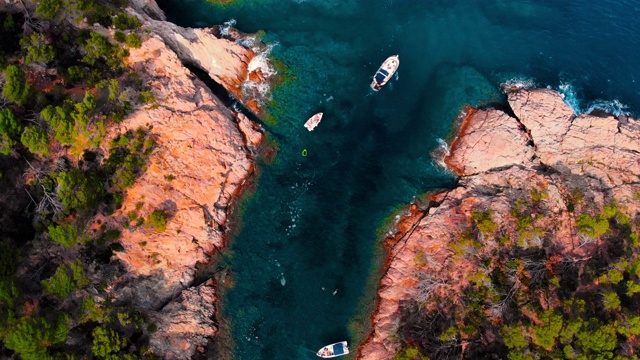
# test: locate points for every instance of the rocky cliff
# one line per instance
(205, 153)
(578, 163)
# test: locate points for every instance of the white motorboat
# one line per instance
(334, 350)
(385, 72)
(313, 121)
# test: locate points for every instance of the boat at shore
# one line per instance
(385, 72)
(313, 121)
(334, 350)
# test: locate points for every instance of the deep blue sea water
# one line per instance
(312, 221)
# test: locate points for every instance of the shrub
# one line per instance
(9, 128)
(483, 222)
(65, 235)
(16, 88)
(592, 226)
(119, 36)
(49, 8)
(107, 343)
(146, 97)
(133, 40)
(61, 123)
(123, 21)
(36, 140)
(60, 284)
(37, 48)
(77, 190)
(158, 219)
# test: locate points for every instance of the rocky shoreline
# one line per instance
(204, 157)
(545, 149)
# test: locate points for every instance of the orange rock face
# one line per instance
(204, 155)
(501, 159)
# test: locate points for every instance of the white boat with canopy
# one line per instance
(385, 72)
(334, 350)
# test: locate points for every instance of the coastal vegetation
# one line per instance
(529, 296)
(64, 84)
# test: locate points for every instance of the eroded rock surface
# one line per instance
(204, 155)
(497, 164)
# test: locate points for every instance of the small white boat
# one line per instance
(334, 350)
(385, 72)
(313, 121)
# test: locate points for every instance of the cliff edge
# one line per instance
(204, 154)
(544, 166)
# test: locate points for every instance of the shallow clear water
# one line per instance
(312, 221)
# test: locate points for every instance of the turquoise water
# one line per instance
(312, 222)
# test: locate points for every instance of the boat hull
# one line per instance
(385, 72)
(313, 121)
(333, 350)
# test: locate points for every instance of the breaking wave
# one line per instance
(570, 96)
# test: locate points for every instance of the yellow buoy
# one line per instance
(304, 152)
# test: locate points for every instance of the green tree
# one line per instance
(48, 8)
(158, 219)
(33, 335)
(545, 335)
(60, 122)
(123, 21)
(38, 49)
(512, 337)
(65, 235)
(77, 190)
(592, 226)
(16, 88)
(96, 47)
(107, 343)
(611, 300)
(60, 284)
(36, 140)
(9, 128)
(133, 40)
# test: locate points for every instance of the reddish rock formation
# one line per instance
(501, 159)
(204, 154)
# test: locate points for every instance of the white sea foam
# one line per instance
(614, 107)
(570, 96)
(227, 25)
(440, 152)
(517, 83)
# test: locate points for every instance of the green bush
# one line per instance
(16, 88)
(158, 219)
(48, 8)
(133, 40)
(36, 140)
(65, 235)
(107, 343)
(37, 48)
(483, 222)
(33, 335)
(592, 226)
(9, 128)
(60, 122)
(119, 36)
(123, 21)
(60, 284)
(77, 190)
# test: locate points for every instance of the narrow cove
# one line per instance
(311, 227)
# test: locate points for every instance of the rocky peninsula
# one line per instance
(208, 152)
(536, 162)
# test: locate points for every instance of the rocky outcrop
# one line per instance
(204, 154)
(186, 323)
(234, 60)
(579, 163)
